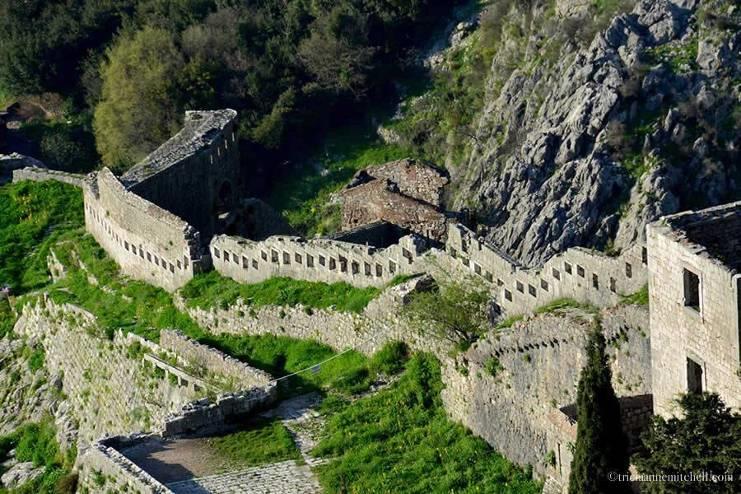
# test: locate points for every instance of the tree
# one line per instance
(453, 312)
(707, 439)
(140, 106)
(601, 447)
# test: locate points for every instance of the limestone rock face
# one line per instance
(550, 167)
(20, 473)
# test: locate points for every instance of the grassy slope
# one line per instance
(213, 290)
(34, 215)
(263, 441)
(400, 440)
(36, 442)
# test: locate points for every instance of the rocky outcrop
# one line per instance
(585, 151)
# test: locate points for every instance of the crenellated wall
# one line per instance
(315, 260)
(581, 274)
(146, 241)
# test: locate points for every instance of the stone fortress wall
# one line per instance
(146, 241)
(695, 286)
(581, 274)
(37, 174)
(315, 260)
(190, 352)
(519, 409)
(195, 175)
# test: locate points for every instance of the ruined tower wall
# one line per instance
(147, 242)
(709, 336)
(315, 260)
(194, 184)
(584, 275)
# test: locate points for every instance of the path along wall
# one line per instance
(315, 260)
(147, 242)
(540, 360)
(581, 274)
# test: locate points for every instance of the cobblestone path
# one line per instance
(287, 477)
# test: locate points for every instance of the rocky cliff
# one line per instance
(586, 136)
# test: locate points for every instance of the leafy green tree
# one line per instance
(706, 439)
(140, 104)
(601, 447)
(454, 312)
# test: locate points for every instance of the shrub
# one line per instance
(390, 359)
(493, 366)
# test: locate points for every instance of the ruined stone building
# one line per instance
(154, 219)
(695, 304)
(407, 193)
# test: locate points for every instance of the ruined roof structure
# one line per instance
(715, 231)
(200, 130)
(406, 193)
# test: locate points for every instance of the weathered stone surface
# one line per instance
(543, 174)
(406, 193)
(20, 473)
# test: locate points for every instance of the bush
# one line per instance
(390, 359)
(492, 366)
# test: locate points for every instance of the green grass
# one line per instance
(36, 442)
(34, 215)
(509, 322)
(492, 366)
(7, 318)
(638, 298)
(564, 303)
(213, 290)
(263, 441)
(400, 440)
(303, 197)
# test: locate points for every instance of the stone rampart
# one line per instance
(195, 175)
(107, 389)
(582, 274)
(43, 174)
(104, 462)
(315, 260)
(367, 332)
(536, 368)
(146, 241)
(213, 361)
(204, 416)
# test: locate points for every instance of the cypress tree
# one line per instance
(601, 447)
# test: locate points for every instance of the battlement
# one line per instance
(324, 260)
(147, 241)
(581, 274)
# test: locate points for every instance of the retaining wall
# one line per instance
(147, 242)
(212, 360)
(367, 332)
(315, 260)
(117, 472)
(44, 174)
(541, 359)
(581, 274)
